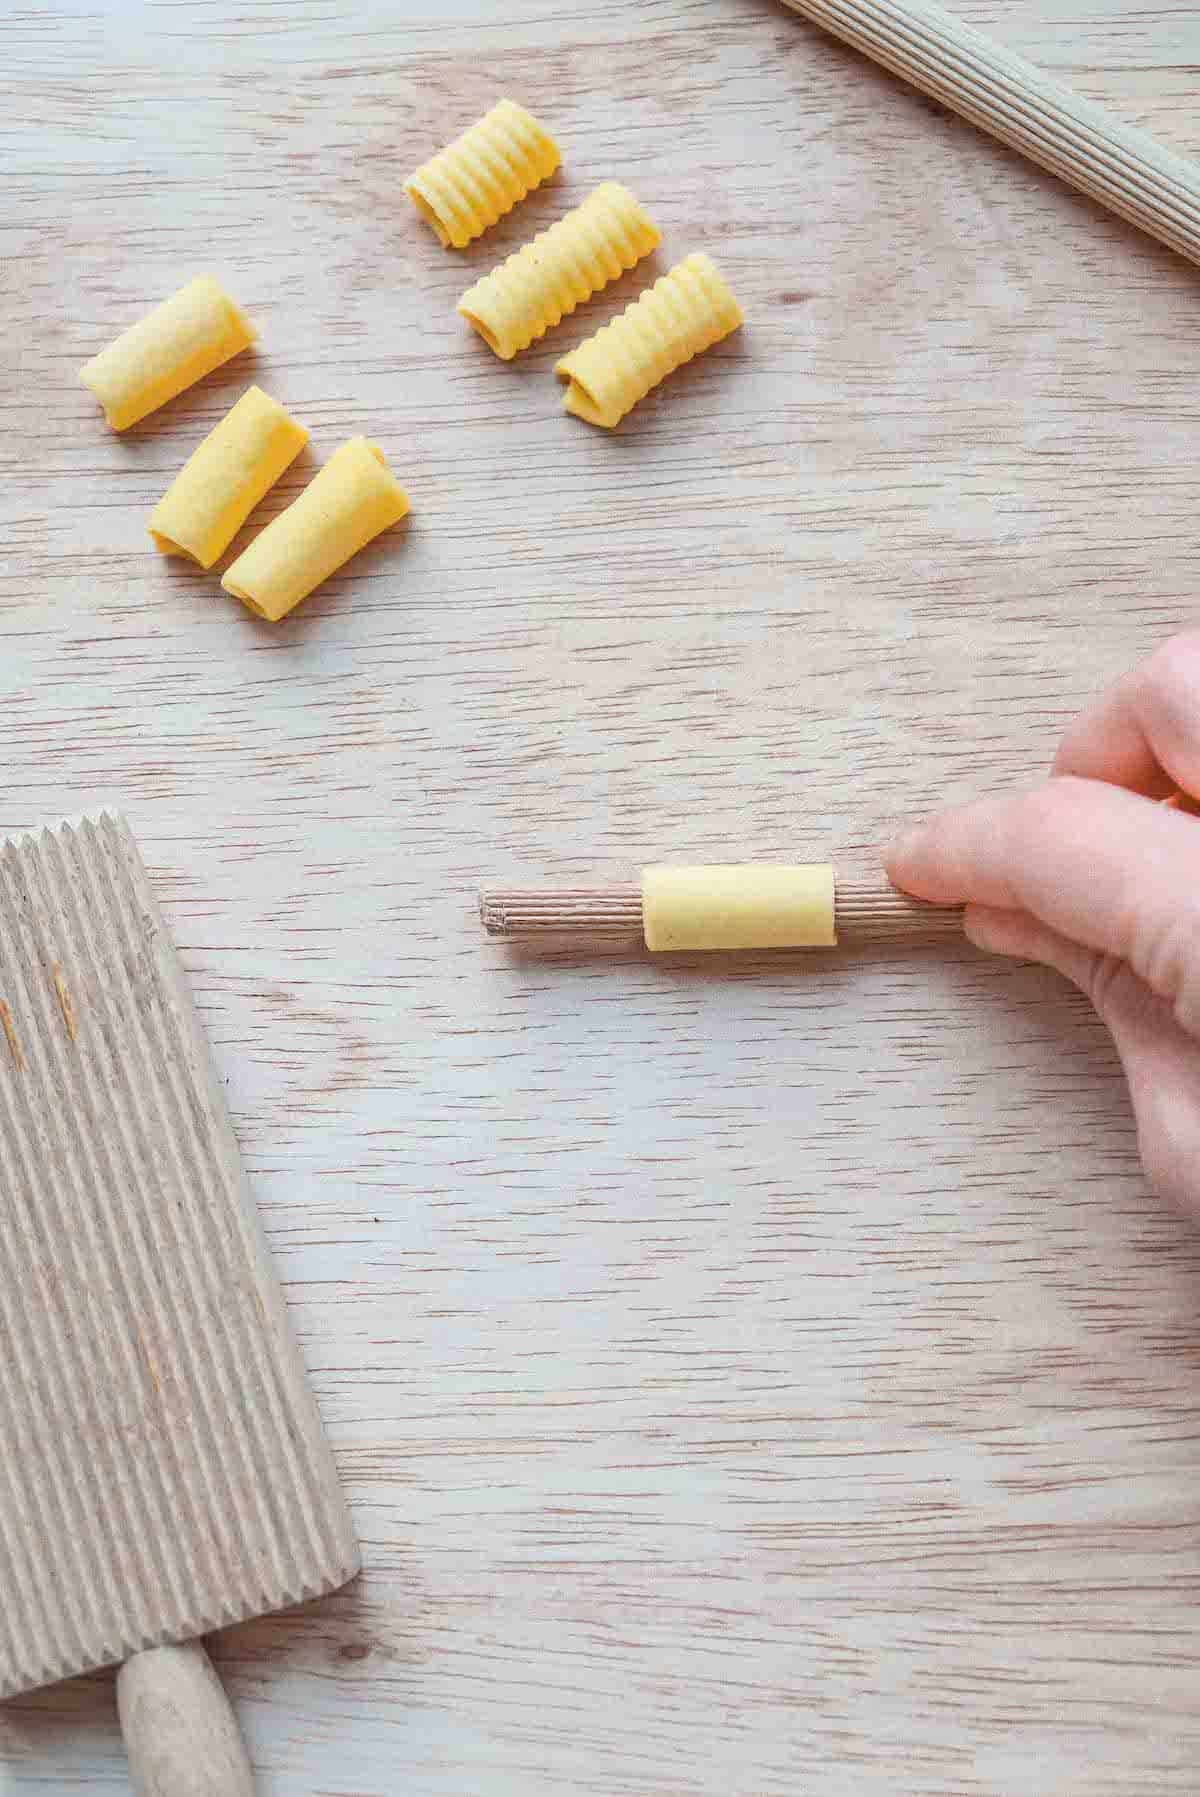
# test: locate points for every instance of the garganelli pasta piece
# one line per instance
(352, 498)
(522, 298)
(687, 311)
(174, 346)
(475, 180)
(223, 480)
(738, 907)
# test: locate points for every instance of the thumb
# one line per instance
(1160, 1060)
(1097, 865)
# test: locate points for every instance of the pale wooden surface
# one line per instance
(750, 1379)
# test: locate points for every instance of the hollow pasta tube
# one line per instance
(349, 501)
(475, 180)
(738, 907)
(687, 311)
(529, 293)
(223, 480)
(171, 348)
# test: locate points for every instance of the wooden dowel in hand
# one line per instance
(1122, 167)
(535, 914)
(866, 909)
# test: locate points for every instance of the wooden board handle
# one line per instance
(1123, 168)
(180, 1731)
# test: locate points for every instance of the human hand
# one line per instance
(1088, 875)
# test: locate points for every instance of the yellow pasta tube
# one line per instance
(687, 311)
(351, 499)
(738, 907)
(174, 346)
(223, 480)
(475, 180)
(522, 298)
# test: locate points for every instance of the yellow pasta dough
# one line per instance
(223, 480)
(687, 311)
(475, 180)
(522, 298)
(169, 349)
(351, 499)
(738, 907)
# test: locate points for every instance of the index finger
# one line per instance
(1104, 867)
(1144, 733)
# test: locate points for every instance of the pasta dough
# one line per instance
(522, 298)
(169, 349)
(351, 499)
(738, 907)
(223, 480)
(687, 311)
(475, 180)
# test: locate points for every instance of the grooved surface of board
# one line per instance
(164, 1471)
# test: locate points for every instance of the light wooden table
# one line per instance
(749, 1379)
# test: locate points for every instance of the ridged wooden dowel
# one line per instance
(866, 909)
(597, 913)
(1118, 165)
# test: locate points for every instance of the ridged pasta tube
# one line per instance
(475, 180)
(351, 499)
(687, 311)
(223, 480)
(172, 347)
(522, 298)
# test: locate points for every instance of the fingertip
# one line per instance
(903, 854)
(922, 862)
(1067, 759)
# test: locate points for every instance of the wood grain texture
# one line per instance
(745, 1382)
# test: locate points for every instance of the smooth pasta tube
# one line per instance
(530, 292)
(352, 498)
(223, 480)
(173, 347)
(738, 907)
(475, 180)
(687, 311)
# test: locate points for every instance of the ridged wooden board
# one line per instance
(164, 1470)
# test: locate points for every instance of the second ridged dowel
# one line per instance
(1117, 164)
